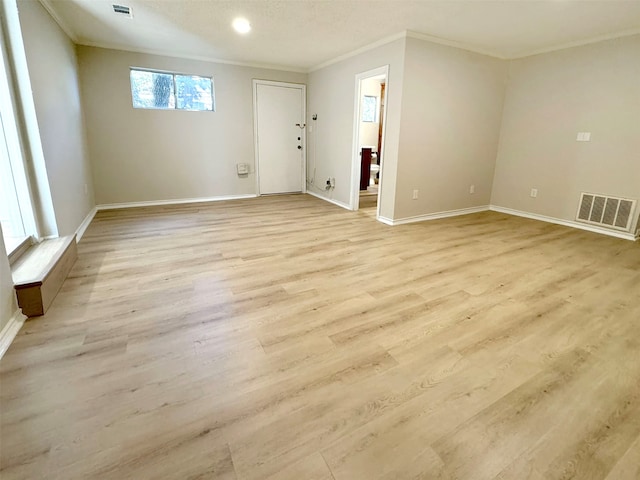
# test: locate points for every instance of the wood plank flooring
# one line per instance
(286, 338)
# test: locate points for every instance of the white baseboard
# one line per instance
(177, 201)
(85, 223)
(330, 200)
(10, 331)
(434, 216)
(566, 223)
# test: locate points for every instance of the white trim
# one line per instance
(358, 51)
(201, 58)
(10, 331)
(434, 216)
(330, 200)
(578, 43)
(303, 134)
(26, 121)
(254, 88)
(177, 201)
(385, 220)
(58, 19)
(452, 43)
(378, 43)
(356, 163)
(23, 213)
(524, 53)
(20, 249)
(469, 47)
(566, 223)
(85, 224)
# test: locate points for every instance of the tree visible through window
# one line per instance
(161, 90)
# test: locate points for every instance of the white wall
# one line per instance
(146, 155)
(552, 97)
(51, 60)
(451, 112)
(331, 95)
(8, 304)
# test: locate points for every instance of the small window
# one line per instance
(369, 108)
(170, 91)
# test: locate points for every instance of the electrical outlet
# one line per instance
(415, 194)
(472, 189)
(583, 137)
(332, 181)
(534, 192)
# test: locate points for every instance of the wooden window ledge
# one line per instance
(40, 272)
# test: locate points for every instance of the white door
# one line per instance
(279, 128)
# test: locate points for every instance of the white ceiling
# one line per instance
(302, 34)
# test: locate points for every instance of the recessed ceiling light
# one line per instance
(241, 25)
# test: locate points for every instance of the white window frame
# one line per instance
(14, 149)
(175, 90)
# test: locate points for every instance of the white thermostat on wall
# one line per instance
(243, 168)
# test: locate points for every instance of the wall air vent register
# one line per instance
(122, 10)
(609, 212)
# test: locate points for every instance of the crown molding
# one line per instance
(578, 43)
(202, 58)
(47, 4)
(472, 48)
(61, 23)
(358, 51)
(452, 43)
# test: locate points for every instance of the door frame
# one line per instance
(357, 115)
(303, 131)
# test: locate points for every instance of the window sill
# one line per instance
(16, 246)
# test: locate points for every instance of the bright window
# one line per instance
(369, 108)
(171, 91)
(16, 211)
(10, 216)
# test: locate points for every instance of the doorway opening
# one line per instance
(368, 139)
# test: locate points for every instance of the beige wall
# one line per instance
(53, 72)
(552, 97)
(8, 305)
(451, 112)
(330, 145)
(146, 155)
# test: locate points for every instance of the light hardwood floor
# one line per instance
(286, 338)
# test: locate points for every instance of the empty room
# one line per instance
(320, 239)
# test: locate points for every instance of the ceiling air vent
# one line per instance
(122, 10)
(609, 212)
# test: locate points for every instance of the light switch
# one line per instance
(583, 137)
